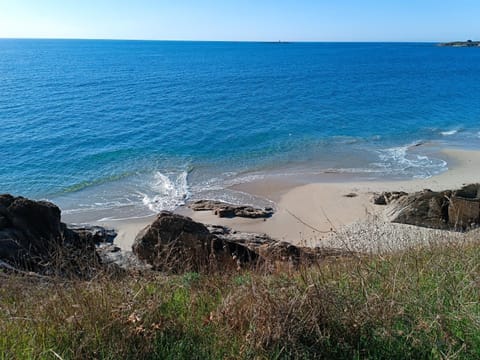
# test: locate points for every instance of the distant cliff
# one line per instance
(468, 43)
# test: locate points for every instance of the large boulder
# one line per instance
(33, 238)
(425, 208)
(32, 225)
(222, 209)
(172, 240)
(176, 243)
(29, 231)
(449, 209)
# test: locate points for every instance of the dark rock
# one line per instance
(387, 197)
(449, 209)
(222, 209)
(225, 212)
(168, 229)
(379, 199)
(93, 234)
(5, 201)
(39, 222)
(4, 222)
(10, 250)
(177, 243)
(425, 208)
(273, 251)
(32, 238)
(31, 231)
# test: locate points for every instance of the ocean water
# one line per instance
(133, 127)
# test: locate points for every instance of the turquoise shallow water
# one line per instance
(141, 126)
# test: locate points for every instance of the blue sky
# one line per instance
(264, 20)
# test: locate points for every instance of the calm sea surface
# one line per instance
(140, 126)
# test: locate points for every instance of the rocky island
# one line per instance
(468, 43)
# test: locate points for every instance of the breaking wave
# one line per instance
(167, 191)
(403, 161)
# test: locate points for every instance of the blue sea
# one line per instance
(129, 128)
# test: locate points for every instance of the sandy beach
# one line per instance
(309, 214)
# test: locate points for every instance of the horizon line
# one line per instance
(225, 41)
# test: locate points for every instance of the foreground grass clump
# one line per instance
(421, 303)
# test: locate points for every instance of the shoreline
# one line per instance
(308, 214)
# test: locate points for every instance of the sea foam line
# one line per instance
(399, 161)
(449, 132)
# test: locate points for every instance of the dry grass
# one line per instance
(418, 304)
(422, 302)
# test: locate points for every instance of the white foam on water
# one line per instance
(449, 132)
(167, 191)
(402, 161)
(245, 179)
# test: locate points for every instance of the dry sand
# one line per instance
(127, 230)
(308, 214)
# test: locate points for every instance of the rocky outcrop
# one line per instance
(464, 207)
(449, 209)
(32, 238)
(28, 228)
(387, 197)
(426, 208)
(468, 43)
(176, 243)
(222, 209)
(92, 234)
(271, 250)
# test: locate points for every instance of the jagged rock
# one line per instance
(30, 231)
(222, 209)
(271, 250)
(32, 238)
(449, 209)
(33, 226)
(93, 234)
(464, 207)
(170, 229)
(177, 243)
(387, 197)
(425, 208)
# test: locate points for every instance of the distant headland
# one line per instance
(468, 43)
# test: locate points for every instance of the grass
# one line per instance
(421, 303)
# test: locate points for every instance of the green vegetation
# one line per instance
(421, 304)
